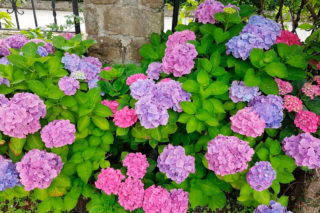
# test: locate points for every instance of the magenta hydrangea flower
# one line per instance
(166, 80)
(154, 70)
(142, 88)
(9, 177)
(292, 103)
(178, 59)
(273, 207)
(131, 194)
(125, 117)
(4, 48)
(174, 162)
(38, 168)
(21, 115)
(304, 148)
(48, 46)
(113, 105)
(239, 92)
(261, 175)
(228, 155)
(288, 38)
(109, 180)
(307, 121)
(206, 11)
(179, 201)
(16, 41)
(180, 38)
(247, 122)
(69, 85)
(58, 133)
(310, 90)
(107, 69)
(156, 199)
(136, 164)
(284, 86)
(135, 77)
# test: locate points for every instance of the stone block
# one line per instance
(154, 4)
(105, 2)
(130, 3)
(133, 55)
(91, 21)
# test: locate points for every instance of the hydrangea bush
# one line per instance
(222, 105)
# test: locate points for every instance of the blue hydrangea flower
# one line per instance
(71, 62)
(9, 176)
(273, 207)
(239, 92)
(261, 175)
(42, 51)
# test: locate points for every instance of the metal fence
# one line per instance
(175, 14)
(16, 11)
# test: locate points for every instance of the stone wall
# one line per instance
(121, 27)
(42, 5)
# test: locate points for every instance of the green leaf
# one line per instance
(262, 197)
(203, 78)
(298, 61)
(16, 145)
(274, 146)
(250, 79)
(45, 206)
(196, 197)
(54, 65)
(37, 87)
(100, 122)
(29, 50)
(215, 58)
(122, 131)
(192, 125)
(204, 64)
(217, 105)
(246, 10)
(256, 57)
(184, 117)
(107, 138)
(203, 115)
(268, 85)
(188, 107)
(277, 69)
(207, 29)
(219, 35)
(155, 39)
(285, 177)
(263, 154)
(148, 52)
(191, 86)
(217, 201)
(283, 50)
(306, 26)
(283, 200)
(68, 101)
(54, 92)
(276, 187)
(18, 60)
(83, 123)
(216, 88)
(102, 111)
(34, 142)
(94, 95)
(84, 171)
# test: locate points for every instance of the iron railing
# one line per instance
(175, 14)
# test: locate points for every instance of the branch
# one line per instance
(313, 13)
(296, 21)
(279, 14)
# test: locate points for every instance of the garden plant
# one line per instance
(226, 107)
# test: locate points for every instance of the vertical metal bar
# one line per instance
(34, 14)
(54, 11)
(175, 14)
(75, 9)
(14, 8)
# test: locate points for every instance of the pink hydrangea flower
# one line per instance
(228, 155)
(180, 38)
(284, 86)
(125, 117)
(107, 69)
(109, 180)
(179, 201)
(136, 164)
(317, 79)
(58, 133)
(156, 199)
(247, 122)
(69, 85)
(310, 90)
(67, 36)
(206, 11)
(131, 194)
(318, 66)
(166, 80)
(113, 105)
(288, 38)
(135, 77)
(292, 103)
(307, 121)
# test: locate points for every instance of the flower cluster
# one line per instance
(4, 61)
(9, 177)
(273, 207)
(21, 115)
(38, 168)
(288, 38)
(16, 41)
(292, 103)
(48, 46)
(304, 148)
(69, 85)
(125, 117)
(136, 164)
(206, 11)
(179, 55)
(239, 92)
(131, 193)
(269, 108)
(174, 162)
(113, 105)
(261, 175)
(311, 90)
(154, 70)
(67, 36)
(135, 77)
(307, 121)
(42, 51)
(259, 33)
(109, 180)
(58, 133)
(3, 100)
(284, 86)
(179, 201)
(247, 122)
(5, 82)
(228, 155)
(156, 199)
(4, 48)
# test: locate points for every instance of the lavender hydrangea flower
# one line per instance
(269, 108)
(69, 85)
(42, 51)
(92, 60)
(206, 11)
(38, 168)
(154, 70)
(90, 70)
(179, 201)
(5, 82)
(3, 100)
(239, 92)
(4, 61)
(4, 48)
(71, 62)
(48, 46)
(304, 148)
(58, 133)
(9, 177)
(273, 207)
(16, 41)
(261, 175)
(142, 88)
(174, 162)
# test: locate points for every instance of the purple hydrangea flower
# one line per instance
(4, 61)
(174, 162)
(154, 70)
(304, 148)
(42, 51)
(69, 85)
(71, 62)
(179, 201)
(239, 92)
(206, 11)
(92, 60)
(273, 207)
(142, 88)
(228, 155)
(90, 70)
(16, 41)
(261, 175)
(269, 108)
(38, 168)
(58, 133)
(9, 177)
(5, 82)
(3, 100)
(48, 46)
(4, 48)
